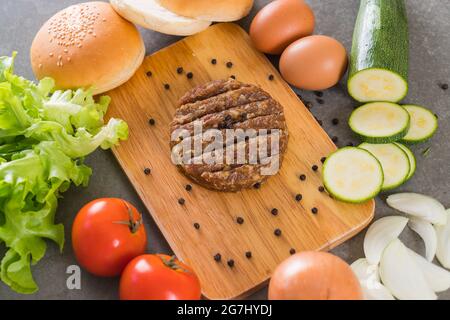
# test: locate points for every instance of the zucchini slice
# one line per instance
(423, 124)
(394, 161)
(352, 175)
(380, 52)
(380, 122)
(412, 160)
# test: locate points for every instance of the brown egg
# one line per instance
(280, 23)
(314, 63)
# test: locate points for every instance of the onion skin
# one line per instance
(314, 276)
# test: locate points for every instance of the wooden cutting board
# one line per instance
(144, 97)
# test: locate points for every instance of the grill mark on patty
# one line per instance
(209, 90)
(226, 118)
(190, 112)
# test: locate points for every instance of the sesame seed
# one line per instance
(229, 64)
(292, 251)
(147, 171)
(335, 121)
(277, 232)
(217, 257)
(257, 185)
(230, 263)
(196, 225)
(271, 77)
(274, 211)
(315, 168)
(151, 121)
(188, 187)
(149, 74)
(298, 197)
(181, 201)
(314, 210)
(189, 75)
(179, 70)
(233, 77)
(302, 177)
(240, 220)
(323, 159)
(321, 189)
(213, 61)
(166, 86)
(248, 254)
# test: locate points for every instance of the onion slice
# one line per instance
(369, 280)
(401, 274)
(438, 278)
(419, 206)
(426, 231)
(443, 242)
(380, 234)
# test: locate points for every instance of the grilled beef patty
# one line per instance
(227, 106)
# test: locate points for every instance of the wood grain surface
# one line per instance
(145, 97)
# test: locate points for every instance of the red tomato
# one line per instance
(158, 277)
(106, 235)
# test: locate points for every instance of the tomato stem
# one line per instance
(132, 224)
(172, 264)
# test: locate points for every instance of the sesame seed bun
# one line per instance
(87, 45)
(210, 10)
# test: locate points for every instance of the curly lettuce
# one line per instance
(44, 137)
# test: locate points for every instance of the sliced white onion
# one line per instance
(419, 206)
(380, 234)
(443, 242)
(438, 278)
(426, 231)
(369, 280)
(401, 274)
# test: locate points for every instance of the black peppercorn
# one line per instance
(274, 211)
(292, 251)
(240, 220)
(257, 185)
(248, 254)
(196, 225)
(314, 210)
(277, 232)
(321, 189)
(179, 70)
(181, 201)
(151, 121)
(189, 75)
(315, 168)
(149, 74)
(308, 105)
(318, 94)
(217, 257)
(302, 177)
(147, 171)
(323, 159)
(335, 121)
(298, 197)
(271, 77)
(166, 86)
(229, 64)
(188, 187)
(230, 263)
(213, 61)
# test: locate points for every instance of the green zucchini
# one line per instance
(352, 175)
(380, 122)
(394, 161)
(412, 160)
(380, 52)
(423, 124)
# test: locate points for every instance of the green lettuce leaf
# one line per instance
(44, 137)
